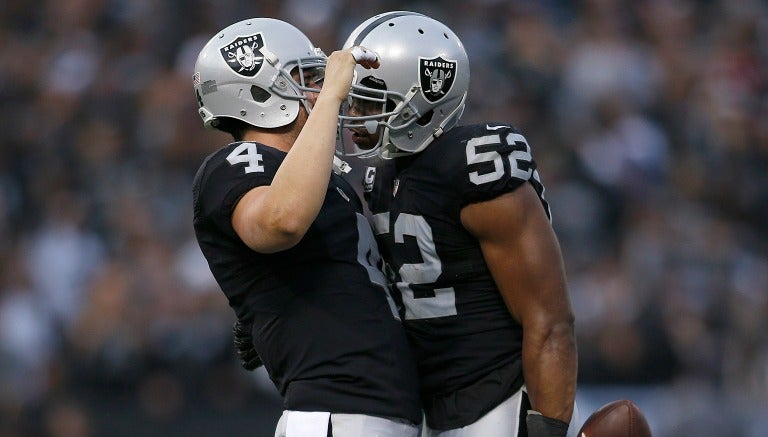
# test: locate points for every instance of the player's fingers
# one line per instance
(362, 54)
(365, 57)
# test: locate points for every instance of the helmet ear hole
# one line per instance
(259, 94)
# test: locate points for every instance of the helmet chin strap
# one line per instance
(454, 117)
(387, 150)
(303, 101)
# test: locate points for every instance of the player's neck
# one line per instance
(280, 139)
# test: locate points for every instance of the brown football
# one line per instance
(620, 418)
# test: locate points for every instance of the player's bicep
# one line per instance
(522, 253)
(253, 223)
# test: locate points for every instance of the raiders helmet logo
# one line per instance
(243, 55)
(436, 76)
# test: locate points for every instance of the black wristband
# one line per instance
(543, 426)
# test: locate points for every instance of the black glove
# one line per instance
(543, 426)
(249, 359)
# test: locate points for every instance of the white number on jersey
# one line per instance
(440, 303)
(515, 158)
(368, 256)
(246, 153)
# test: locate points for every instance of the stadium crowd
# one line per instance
(649, 121)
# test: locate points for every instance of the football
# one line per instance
(621, 418)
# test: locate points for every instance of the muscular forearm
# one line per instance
(534, 288)
(550, 368)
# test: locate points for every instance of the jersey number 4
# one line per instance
(246, 153)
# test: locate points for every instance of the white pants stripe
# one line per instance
(315, 424)
(502, 421)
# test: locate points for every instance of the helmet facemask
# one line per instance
(368, 115)
(295, 79)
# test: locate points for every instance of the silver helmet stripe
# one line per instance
(375, 23)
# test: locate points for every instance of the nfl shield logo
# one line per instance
(436, 76)
(243, 55)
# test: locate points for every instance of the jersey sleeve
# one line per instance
(227, 175)
(497, 160)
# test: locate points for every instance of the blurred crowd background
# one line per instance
(648, 118)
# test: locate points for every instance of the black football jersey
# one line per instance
(324, 324)
(452, 309)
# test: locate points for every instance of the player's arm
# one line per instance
(523, 255)
(276, 217)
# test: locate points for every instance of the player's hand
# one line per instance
(340, 67)
(249, 359)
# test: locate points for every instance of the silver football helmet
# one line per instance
(416, 94)
(245, 73)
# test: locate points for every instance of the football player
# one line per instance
(286, 239)
(461, 219)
